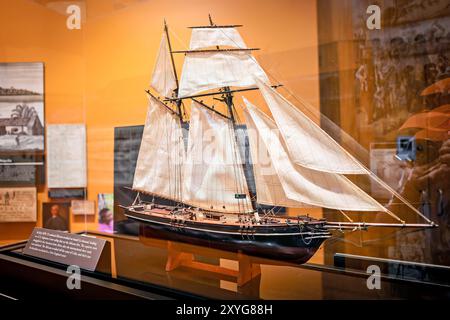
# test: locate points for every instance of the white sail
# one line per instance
(317, 188)
(269, 189)
(210, 70)
(163, 78)
(210, 37)
(161, 155)
(308, 145)
(213, 176)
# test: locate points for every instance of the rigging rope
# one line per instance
(370, 173)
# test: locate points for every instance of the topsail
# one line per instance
(163, 79)
(206, 70)
(210, 37)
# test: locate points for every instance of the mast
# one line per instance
(178, 105)
(178, 102)
(228, 99)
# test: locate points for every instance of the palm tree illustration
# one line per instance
(23, 111)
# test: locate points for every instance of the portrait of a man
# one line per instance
(56, 216)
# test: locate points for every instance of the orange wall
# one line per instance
(31, 32)
(97, 75)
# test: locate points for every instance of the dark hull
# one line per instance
(294, 243)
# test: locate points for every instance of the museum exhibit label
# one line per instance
(66, 156)
(65, 248)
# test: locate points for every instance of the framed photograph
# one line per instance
(18, 205)
(56, 215)
(106, 212)
(22, 107)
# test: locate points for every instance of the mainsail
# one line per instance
(211, 69)
(163, 79)
(308, 145)
(302, 184)
(161, 155)
(213, 176)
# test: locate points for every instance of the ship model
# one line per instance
(207, 179)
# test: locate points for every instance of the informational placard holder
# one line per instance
(66, 156)
(86, 252)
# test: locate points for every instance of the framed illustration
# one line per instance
(56, 215)
(18, 205)
(22, 107)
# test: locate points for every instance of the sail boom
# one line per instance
(167, 107)
(338, 225)
(219, 93)
(216, 50)
(212, 109)
(216, 26)
(191, 204)
(155, 194)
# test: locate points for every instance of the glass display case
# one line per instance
(148, 268)
(229, 150)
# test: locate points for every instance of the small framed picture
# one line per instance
(56, 216)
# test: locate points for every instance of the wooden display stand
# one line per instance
(247, 269)
(183, 255)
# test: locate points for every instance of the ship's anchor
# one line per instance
(301, 227)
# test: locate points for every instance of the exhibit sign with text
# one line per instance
(65, 248)
(18, 205)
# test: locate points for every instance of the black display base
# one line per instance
(143, 268)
